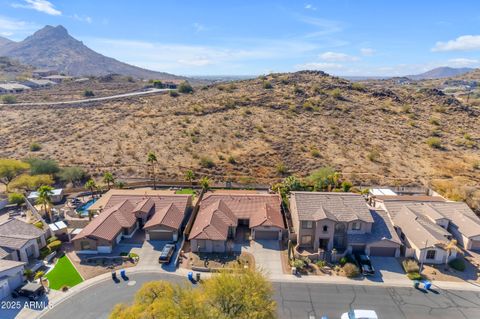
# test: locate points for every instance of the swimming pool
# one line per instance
(83, 210)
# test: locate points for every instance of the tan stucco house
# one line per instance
(324, 221)
(20, 241)
(220, 214)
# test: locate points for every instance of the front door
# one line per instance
(323, 243)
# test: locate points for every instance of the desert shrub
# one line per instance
(173, 93)
(35, 147)
(321, 263)
(88, 93)
(38, 224)
(51, 239)
(351, 270)
(410, 265)
(315, 152)
(343, 261)
(232, 160)
(185, 87)
(297, 90)
(281, 169)
(346, 186)
(434, 121)
(39, 274)
(54, 245)
(267, 85)
(44, 252)
(207, 162)
(298, 263)
(414, 276)
(358, 86)
(40, 166)
(457, 264)
(373, 156)
(336, 93)
(434, 142)
(9, 99)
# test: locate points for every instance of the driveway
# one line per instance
(267, 255)
(387, 269)
(150, 251)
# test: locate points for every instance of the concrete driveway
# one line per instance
(387, 269)
(150, 251)
(267, 255)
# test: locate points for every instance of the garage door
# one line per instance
(475, 245)
(161, 235)
(265, 234)
(382, 251)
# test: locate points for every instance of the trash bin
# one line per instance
(198, 276)
(294, 270)
(114, 275)
(427, 284)
(416, 283)
(122, 273)
(190, 275)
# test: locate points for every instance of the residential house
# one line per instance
(325, 221)
(56, 196)
(40, 73)
(13, 88)
(38, 83)
(20, 241)
(222, 213)
(161, 214)
(57, 78)
(11, 276)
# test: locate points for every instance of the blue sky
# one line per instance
(341, 37)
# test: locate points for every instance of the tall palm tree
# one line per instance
(205, 183)
(45, 193)
(108, 179)
(152, 159)
(189, 176)
(449, 247)
(90, 184)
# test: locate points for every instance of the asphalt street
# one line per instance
(295, 300)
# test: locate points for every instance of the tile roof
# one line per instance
(9, 264)
(382, 229)
(337, 206)
(419, 230)
(218, 211)
(169, 216)
(4, 252)
(110, 222)
(410, 198)
(14, 233)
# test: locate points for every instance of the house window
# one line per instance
(356, 226)
(307, 224)
(306, 240)
(85, 245)
(431, 254)
(325, 228)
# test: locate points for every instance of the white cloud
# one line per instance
(463, 62)
(11, 27)
(310, 7)
(337, 57)
(86, 19)
(199, 27)
(462, 43)
(324, 66)
(323, 26)
(367, 51)
(39, 5)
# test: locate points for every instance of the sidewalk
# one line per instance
(56, 297)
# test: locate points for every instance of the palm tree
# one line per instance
(108, 178)
(152, 159)
(449, 247)
(90, 184)
(205, 183)
(189, 176)
(45, 193)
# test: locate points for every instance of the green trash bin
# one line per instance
(416, 284)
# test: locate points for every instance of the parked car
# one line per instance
(167, 253)
(365, 264)
(360, 314)
(31, 290)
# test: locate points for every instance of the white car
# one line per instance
(360, 314)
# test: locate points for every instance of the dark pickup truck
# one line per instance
(365, 264)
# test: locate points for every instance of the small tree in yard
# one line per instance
(90, 184)
(16, 198)
(351, 270)
(108, 179)
(185, 87)
(10, 169)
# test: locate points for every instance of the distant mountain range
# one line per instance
(441, 72)
(53, 48)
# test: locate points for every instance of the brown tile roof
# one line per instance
(218, 211)
(105, 199)
(169, 216)
(337, 206)
(110, 222)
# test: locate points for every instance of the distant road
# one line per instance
(95, 99)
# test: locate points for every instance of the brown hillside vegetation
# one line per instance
(259, 129)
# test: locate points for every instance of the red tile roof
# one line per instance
(219, 211)
(169, 216)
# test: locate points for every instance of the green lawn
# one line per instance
(64, 274)
(188, 191)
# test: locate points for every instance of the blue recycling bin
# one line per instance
(190, 276)
(427, 284)
(122, 273)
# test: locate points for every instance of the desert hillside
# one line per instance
(260, 129)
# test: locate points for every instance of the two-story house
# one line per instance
(342, 222)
